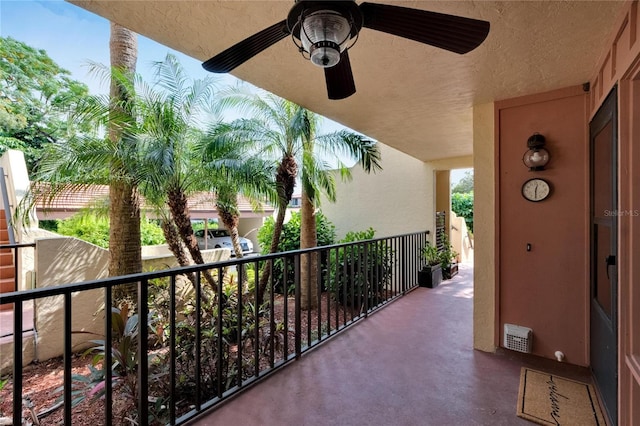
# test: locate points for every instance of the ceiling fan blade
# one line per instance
(454, 33)
(241, 52)
(340, 84)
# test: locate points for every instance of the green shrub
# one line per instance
(95, 230)
(462, 205)
(89, 228)
(362, 270)
(289, 241)
(49, 225)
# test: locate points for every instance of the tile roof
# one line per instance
(201, 205)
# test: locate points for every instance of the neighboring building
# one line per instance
(201, 207)
(568, 266)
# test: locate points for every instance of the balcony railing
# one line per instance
(201, 346)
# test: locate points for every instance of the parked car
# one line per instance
(220, 238)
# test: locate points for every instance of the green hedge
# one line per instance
(462, 205)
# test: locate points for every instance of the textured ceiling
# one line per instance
(410, 96)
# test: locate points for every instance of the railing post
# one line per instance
(67, 359)
(143, 360)
(17, 363)
(298, 313)
(108, 356)
(365, 275)
(172, 349)
(405, 254)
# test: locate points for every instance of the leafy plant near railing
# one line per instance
(447, 255)
(430, 254)
(124, 367)
(234, 330)
(361, 271)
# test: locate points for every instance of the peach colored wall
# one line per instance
(546, 288)
(621, 65)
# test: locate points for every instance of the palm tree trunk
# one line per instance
(308, 262)
(177, 201)
(230, 221)
(124, 234)
(286, 183)
(275, 241)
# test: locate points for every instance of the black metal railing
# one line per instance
(16, 250)
(181, 348)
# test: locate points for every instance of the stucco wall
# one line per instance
(66, 260)
(12, 161)
(547, 287)
(248, 228)
(460, 238)
(61, 261)
(484, 228)
(443, 196)
(397, 200)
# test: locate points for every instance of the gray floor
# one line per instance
(411, 363)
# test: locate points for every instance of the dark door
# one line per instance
(604, 273)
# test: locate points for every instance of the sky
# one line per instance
(72, 36)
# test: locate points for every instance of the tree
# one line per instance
(170, 166)
(232, 171)
(275, 129)
(81, 160)
(465, 184)
(317, 177)
(462, 205)
(36, 97)
(124, 212)
(285, 131)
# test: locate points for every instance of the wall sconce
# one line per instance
(536, 156)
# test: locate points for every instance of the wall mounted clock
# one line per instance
(536, 189)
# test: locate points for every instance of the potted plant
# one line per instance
(431, 274)
(448, 258)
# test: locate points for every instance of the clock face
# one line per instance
(536, 189)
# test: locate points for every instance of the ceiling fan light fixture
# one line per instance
(324, 35)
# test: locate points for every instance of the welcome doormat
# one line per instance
(548, 399)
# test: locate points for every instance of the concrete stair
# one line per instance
(7, 269)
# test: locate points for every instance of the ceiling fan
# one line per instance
(324, 31)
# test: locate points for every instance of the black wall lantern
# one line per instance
(536, 156)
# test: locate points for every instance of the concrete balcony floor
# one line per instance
(411, 363)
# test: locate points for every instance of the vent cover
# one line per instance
(517, 338)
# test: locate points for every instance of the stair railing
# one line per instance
(7, 206)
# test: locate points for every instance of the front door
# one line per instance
(604, 273)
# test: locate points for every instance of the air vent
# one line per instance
(518, 338)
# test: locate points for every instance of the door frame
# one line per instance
(607, 112)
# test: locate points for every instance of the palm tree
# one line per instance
(85, 160)
(171, 112)
(286, 131)
(276, 129)
(124, 212)
(318, 177)
(233, 169)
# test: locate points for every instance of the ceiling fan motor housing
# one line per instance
(324, 29)
(324, 34)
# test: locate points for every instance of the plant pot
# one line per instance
(450, 271)
(430, 276)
